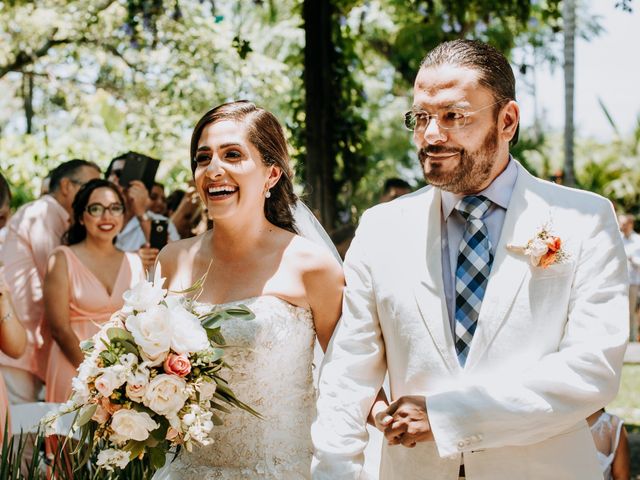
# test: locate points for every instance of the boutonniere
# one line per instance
(543, 250)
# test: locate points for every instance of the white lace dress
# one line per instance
(272, 372)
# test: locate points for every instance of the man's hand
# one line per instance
(148, 256)
(410, 421)
(138, 197)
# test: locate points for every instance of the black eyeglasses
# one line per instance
(97, 209)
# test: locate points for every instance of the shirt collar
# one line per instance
(57, 207)
(499, 191)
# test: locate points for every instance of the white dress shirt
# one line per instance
(132, 238)
(453, 224)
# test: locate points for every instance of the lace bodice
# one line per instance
(271, 362)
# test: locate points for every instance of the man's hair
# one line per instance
(5, 191)
(395, 183)
(495, 72)
(68, 170)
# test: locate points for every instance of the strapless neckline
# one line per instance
(253, 299)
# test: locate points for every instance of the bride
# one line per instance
(254, 256)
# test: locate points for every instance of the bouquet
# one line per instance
(151, 380)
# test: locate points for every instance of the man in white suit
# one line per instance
(496, 302)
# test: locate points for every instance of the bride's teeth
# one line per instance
(225, 189)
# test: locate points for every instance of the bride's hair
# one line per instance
(266, 134)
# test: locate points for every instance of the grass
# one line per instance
(627, 403)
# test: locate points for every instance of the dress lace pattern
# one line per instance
(271, 362)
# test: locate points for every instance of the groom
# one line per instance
(495, 301)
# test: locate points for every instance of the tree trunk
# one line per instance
(569, 17)
(320, 161)
(27, 96)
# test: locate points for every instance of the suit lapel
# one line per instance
(526, 213)
(426, 252)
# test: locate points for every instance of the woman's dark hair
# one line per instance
(266, 134)
(5, 192)
(78, 232)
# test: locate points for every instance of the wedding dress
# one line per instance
(271, 362)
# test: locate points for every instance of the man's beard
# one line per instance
(473, 168)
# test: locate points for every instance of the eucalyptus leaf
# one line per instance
(85, 414)
(120, 334)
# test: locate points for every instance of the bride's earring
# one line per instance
(267, 194)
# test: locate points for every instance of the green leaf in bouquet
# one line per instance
(135, 448)
(240, 311)
(220, 407)
(87, 345)
(108, 357)
(120, 334)
(213, 320)
(157, 456)
(216, 337)
(85, 414)
(160, 433)
(217, 421)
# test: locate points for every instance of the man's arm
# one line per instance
(563, 387)
(351, 375)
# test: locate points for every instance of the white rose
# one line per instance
(143, 296)
(81, 391)
(166, 394)
(128, 360)
(152, 331)
(537, 247)
(188, 335)
(111, 378)
(131, 425)
(111, 457)
(88, 368)
(137, 385)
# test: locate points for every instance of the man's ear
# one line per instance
(65, 186)
(509, 120)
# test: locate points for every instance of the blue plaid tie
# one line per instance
(472, 271)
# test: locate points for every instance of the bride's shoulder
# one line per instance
(311, 257)
(177, 252)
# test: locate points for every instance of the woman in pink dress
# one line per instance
(85, 280)
(13, 340)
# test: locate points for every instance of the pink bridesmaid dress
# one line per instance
(4, 406)
(90, 305)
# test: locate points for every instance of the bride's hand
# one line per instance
(378, 416)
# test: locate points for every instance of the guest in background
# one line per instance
(394, 188)
(134, 236)
(13, 341)
(85, 280)
(157, 199)
(32, 233)
(631, 242)
(610, 438)
(186, 212)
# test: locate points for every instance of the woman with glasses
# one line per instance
(85, 280)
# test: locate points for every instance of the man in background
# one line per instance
(32, 233)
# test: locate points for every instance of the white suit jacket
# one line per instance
(547, 351)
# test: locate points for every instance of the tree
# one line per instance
(569, 17)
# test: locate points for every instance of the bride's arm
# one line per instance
(324, 282)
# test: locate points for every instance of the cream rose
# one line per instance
(111, 378)
(131, 425)
(152, 331)
(166, 394)
(137, 385)
(206, 389)
(187, 335)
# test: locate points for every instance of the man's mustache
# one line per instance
(436, 149)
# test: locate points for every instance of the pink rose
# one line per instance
(110, 408)
(177, 365)
(172, 434)
(101, 415)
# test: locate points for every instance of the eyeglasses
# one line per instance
(97, 209)
(447, 119)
